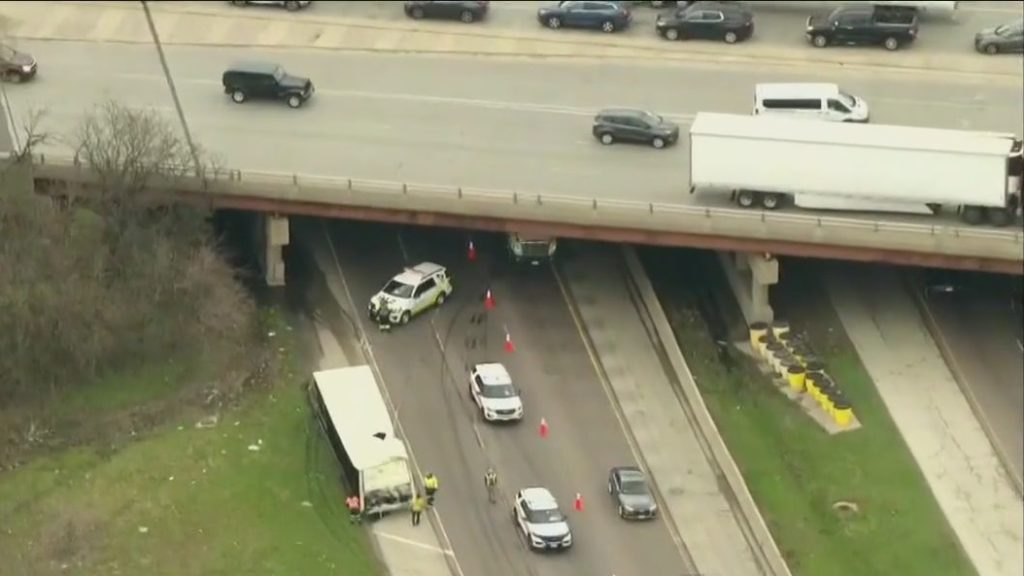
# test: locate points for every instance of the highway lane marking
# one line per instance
(441, 345)
(595, 363)
(375, 366)
(411, 542)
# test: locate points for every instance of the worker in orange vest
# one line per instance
(352, 503)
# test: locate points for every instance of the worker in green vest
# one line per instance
(417, 505)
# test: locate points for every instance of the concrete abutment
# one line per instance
(271, 232)
(751, 276)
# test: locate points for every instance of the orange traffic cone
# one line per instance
(509, 346)
(577, 504)
(471, 252)
(488, 300)
(543, 430)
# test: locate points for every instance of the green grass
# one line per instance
(124, 390)
(210, 506)
(796, 471)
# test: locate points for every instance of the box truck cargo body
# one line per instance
(763, 161)
(352, 413)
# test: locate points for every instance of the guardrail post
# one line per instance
(348, 182)
(540, 200)
(295, 179)
(405, 188)
(515, 197)
(460, 192)
(650, 207)
(875, 225)
(593, 203)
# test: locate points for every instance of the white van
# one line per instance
(809, 100)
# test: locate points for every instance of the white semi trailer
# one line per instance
(764, 161)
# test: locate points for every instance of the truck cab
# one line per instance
(532, 248)
(861, 25)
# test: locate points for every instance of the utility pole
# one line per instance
(174, 92)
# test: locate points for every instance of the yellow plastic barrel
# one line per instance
(828, 399)
(842, 413)
(812, 381)
(780, 327)
(796, 375)
(762, 344)
(814, 365)
(757, 329)
(783, 361)
(825, 390)
(775, 350)
(787, 340)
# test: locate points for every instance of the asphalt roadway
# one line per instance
(558, 382)
(483, 123)
(778, 24)
(982, 328)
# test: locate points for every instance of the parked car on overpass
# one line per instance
(290, 5)
(598, 14)
(1002, 39)
(707, 21)
(466, 11)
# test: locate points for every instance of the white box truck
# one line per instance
(352, 413)
(765, 161)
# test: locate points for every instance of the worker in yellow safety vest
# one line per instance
(417, 505)
(430, 487)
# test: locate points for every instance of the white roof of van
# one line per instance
(782, 129)
(796, 90)
(358, 412)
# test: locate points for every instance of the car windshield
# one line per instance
(545, 516)
(6, 53)
(398, 289)
(651, 119)
(634, 486)
(499, 391)
(850, 101)
(279, 73)
(1008, 29)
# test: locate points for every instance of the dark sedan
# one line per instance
(628, 125)
(603, 15)
(1006, 38)
(707, 21)
(464, 11)
(630, 492)
(16, 66)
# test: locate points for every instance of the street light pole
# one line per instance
(174, 92)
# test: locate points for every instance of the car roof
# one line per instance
(416, 274)
(254, 66)
(493, 373)
(634, 112)
(539, 498)
(630, 473)
(796, 89)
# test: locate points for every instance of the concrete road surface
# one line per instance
(777, 23)
(982, 330)
(506, 124)
(558, 382)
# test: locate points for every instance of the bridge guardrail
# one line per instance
(940, 237)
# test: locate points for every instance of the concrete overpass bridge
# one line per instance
(748, 240)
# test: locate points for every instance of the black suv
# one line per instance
(630, 125)
(246, 80)
(707, 21)
(891, 27)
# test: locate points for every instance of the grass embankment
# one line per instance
(794, 469)
(184, 500)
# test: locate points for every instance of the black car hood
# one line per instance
(819, 21)
(289, 81)
(21, 59)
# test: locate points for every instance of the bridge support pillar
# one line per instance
(751, 275)
(273, 235)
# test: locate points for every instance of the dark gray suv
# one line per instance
(628, 125)
(264, 80)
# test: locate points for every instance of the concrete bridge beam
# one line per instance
(272, 235)
(751, 276)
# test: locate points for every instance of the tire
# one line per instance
(609, 488)
(554, 22)
(467, 17)
(999, 217)
(746, 198)
(622, 511)
(658, 142)
(731, 37)
(294, 101)
(607, 139)
(672, 34)
(416, 13)
(292, 6)
(991, 49)
(405, 318)
(608, 27)
(891, 44)
(770, 201)
(819, 41)
(238, 96)
(972, 215)
(440, 299)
